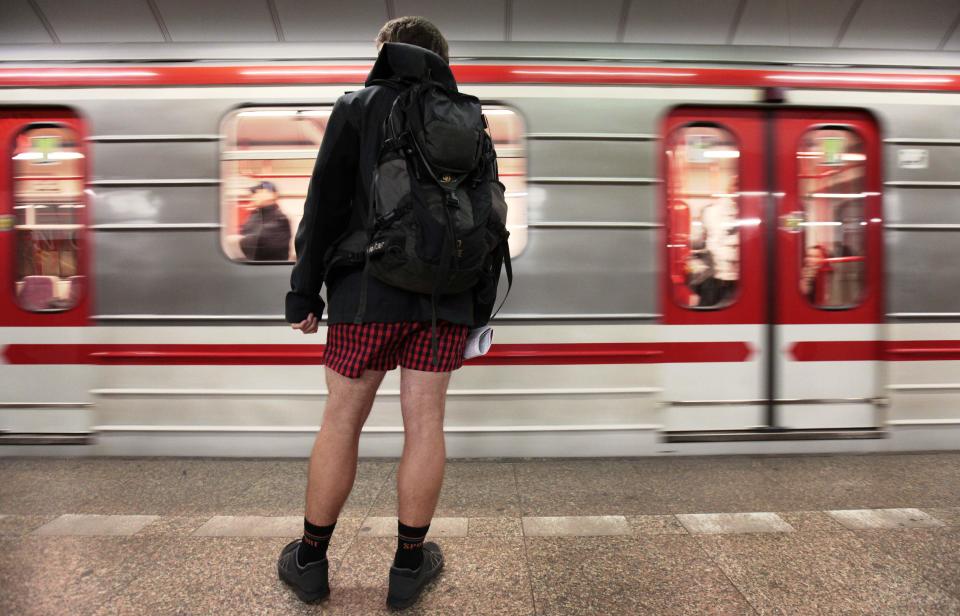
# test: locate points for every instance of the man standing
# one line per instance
(265, 236)
(395, 329)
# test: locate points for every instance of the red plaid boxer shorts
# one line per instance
(352, 347)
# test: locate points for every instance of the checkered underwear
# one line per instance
(352, 348)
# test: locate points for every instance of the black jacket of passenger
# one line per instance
(266, 235)
(338, 200)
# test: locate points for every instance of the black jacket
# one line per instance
(266, 235)
(338, 199)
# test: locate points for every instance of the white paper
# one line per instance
(479, 341)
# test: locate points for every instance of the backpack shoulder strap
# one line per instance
(509, 270)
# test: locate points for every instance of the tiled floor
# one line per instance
(877, 534)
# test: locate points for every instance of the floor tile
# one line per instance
(635, 575)
(822, 573)
(173, 486)
(283, 493)
(470, 489)
(16, 525)
(727, 523)
(948, 515)
(174, 525)
(863, 481)
(656, 525)
(644, 486)
(811, 521)
(67, 484)
(67, 574)
(866, 519)
(87, 524)
(251, 526)
(212, 575)
(934, 552)
(495, 527)
(578, 526)
(478, 578)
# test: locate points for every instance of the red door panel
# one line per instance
(45, 280)
(829, 175)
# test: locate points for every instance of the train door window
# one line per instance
(831, 163)
(268, 159)
(703, 232)
(48, 170)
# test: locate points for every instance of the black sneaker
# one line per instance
(407, 584)
(310, 583)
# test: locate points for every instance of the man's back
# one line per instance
(339, 198)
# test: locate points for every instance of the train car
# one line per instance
(711, 255)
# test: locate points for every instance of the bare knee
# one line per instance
(422, 401)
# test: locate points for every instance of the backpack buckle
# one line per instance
(376, 248)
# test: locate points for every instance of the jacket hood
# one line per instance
(412, 62)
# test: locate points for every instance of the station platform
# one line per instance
(825, 534)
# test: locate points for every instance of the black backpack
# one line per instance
(437, 218)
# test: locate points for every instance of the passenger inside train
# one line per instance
(704, 229)
(265, 235)
(831, 174)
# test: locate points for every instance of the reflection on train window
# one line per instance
(703, 234)
(831, 164)
(48, 170)
(268, 158)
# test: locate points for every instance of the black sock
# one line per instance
(409, 546)
(314, 544)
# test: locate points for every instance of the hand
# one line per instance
(308, 325)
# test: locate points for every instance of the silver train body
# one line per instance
(590, 273)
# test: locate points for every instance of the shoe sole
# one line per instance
(400, 604)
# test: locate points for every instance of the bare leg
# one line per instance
(420, 475)
(333, 462)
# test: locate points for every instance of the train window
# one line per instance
(703, 233)
(268, 158)
(831, 164)
(48, 170)
(267, 161)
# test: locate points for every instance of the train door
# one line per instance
(45, 293)
(773, 240)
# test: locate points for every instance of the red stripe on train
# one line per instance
(293, 354)
(499, 355)
(867, 350)
(148, 75)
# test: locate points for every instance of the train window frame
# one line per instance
(668, 141)
(801, 204)
(520, 196)
(79, 224)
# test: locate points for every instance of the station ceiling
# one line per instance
(921, 25)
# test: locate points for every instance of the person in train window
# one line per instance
(814, 276)
(395, 329)
(723, 242)
(701, 278)
(265, 236)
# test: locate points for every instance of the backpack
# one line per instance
(437, 218)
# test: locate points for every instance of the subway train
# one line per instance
(711, 254)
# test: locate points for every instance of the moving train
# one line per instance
(711, 255)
